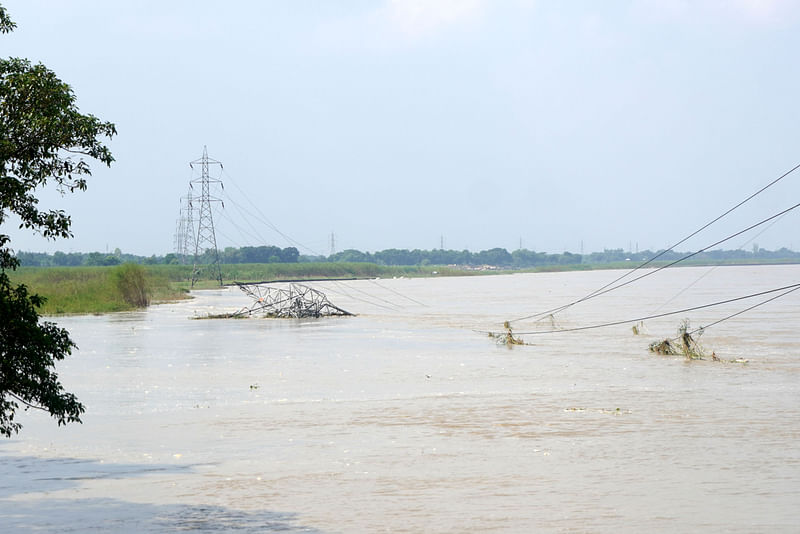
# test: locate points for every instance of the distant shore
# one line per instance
(81, 290)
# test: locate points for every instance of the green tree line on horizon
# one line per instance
(499, 257)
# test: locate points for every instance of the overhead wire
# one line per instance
(247, 215)
(715, 267)
(346, 294)
(791, 288)
(609, 287)
(371, 295)
(265, 220)
(259, 238)
(601, 291)
(794, 288)
(398, 293)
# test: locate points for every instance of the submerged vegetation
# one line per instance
(506, 338)
(685, 344)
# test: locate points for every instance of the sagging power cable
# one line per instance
(609, 287)
(793, 288)
(714, 267)
(601, 290)
(393, 306)
(787, 289)
(264, 219)
(399, 294)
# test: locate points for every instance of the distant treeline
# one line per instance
(498, 257)
(265, 254)
(523, 258)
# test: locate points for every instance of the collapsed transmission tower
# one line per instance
(296, 301)
(205, 244)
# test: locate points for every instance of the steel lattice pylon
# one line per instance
(184, 236)
(296, 301)
(206, 241)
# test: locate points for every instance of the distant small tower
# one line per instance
(177, 242)
(184, 236)
(205, 248)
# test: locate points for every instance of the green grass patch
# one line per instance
(96, 289)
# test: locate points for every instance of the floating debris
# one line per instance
(617, 411)
(506, 338)
(685, 344)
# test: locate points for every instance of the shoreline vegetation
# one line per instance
(131, 286)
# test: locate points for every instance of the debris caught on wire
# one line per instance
(506, 338)
(686, 344)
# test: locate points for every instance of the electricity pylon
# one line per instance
(180, 230)
(188, 242)
(206, 242)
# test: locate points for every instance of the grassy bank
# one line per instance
(110, 289)
(96, 289)
(128, 287)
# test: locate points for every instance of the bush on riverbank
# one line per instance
(132, 284)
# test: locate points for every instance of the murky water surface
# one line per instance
(408, 419)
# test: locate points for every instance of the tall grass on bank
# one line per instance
(96, 289)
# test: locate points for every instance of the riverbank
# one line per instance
(80, 290)
(77, 290)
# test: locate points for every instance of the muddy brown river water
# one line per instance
(407, 418)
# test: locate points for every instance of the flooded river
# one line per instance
(408, 418)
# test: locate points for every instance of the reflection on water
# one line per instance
(408, 419)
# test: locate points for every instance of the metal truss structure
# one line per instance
(296, 301)
(205, 245)
(184, 234)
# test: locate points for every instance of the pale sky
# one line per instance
(395, 123)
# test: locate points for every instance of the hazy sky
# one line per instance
(393, 123)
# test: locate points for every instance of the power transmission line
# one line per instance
(611, 285)
(786, 290)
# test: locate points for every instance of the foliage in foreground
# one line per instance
(28, 352)
(43, 139)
